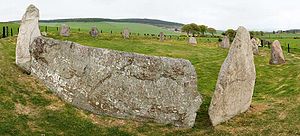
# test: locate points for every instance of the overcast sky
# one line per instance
(220, 14)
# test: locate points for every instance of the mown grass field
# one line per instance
(28, 108)
(107, 27)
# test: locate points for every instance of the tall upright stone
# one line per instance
(235, 85)
(161, 36)
(29, 30)
(94, 32)
(193, 41)
(277, 57)
(225, 43)
(254, 46)
(65, 30)
(126, 33)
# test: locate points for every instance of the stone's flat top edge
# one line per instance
(117, 51)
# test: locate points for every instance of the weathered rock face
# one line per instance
(276, 54)
(254, 46)
(29, 30)
(235, 85)
(225, 43)
(258, 42)
(192, 40)
(65, 30)
(126, 33)
(94, 32)
(161, 36)
(119, 84)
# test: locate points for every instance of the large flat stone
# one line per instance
(119, 84)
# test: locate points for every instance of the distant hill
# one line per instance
(155, 22)
(293, 31)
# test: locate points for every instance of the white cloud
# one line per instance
(221, 14)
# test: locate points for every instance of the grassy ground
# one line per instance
(115, 27)
(106, 27)
(28, 108)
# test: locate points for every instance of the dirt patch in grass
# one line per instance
(258, 108)
(58, 105)
(21, 109)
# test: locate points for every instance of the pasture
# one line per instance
(28, 108)
(116, 27)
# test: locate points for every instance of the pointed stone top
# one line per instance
(31, 6)
(276, 42)
(31, 12)
(242, 38)
(242, 31)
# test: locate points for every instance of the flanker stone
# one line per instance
(235, 84)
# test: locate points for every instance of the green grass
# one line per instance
(27, 107)
(107, 27)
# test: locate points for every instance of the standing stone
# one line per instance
(276, 54)
(193, 41)
(126, 33)
(258, 42)
(161, 36)
(65, 30)
(235, 85)
(29, 30)
(120, 84)
(225, 43)
(94, 32)
(254, 46)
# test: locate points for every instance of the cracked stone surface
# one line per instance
(29, 29)
(119, 84)
(235, 84)
(277, 56)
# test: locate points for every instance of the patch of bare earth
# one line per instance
(55, 106)
(258, 108)
(22, 110)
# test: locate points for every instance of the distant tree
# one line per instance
(190, 29)
(212, 31)
(230, 33)
(202, 29)
(262, 33)
(186, 28)
(195, 29)
(274, 32)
